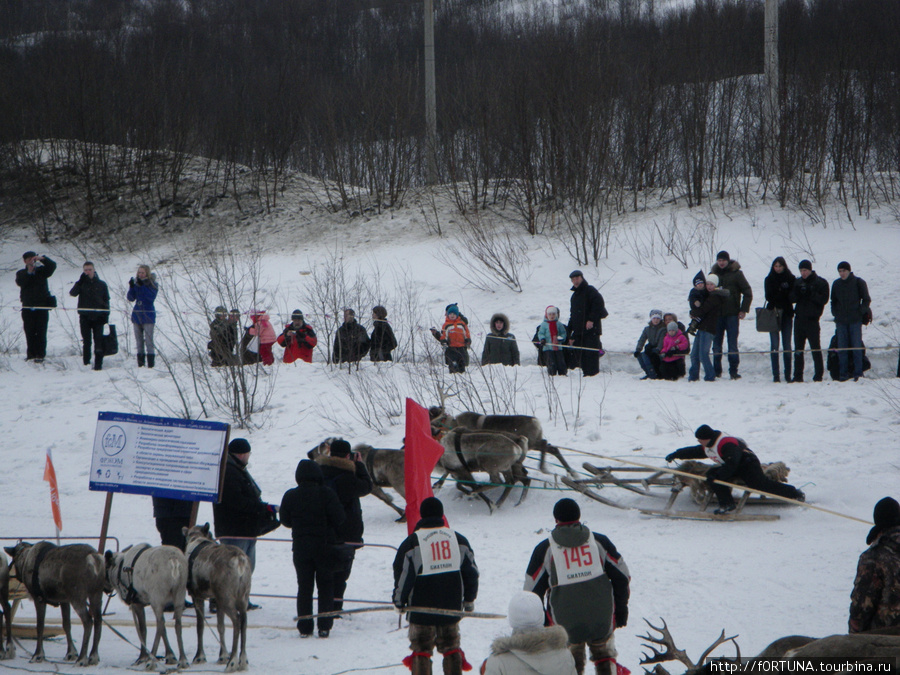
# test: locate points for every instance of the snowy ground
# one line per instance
(760, 580)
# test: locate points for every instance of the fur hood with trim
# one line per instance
(533, 652)
(342, 463)
(499, 316)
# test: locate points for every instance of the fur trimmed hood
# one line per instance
(531, 641)
(499, 316)
(343, 463)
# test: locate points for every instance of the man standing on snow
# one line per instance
(850, 303)
(809, 295)
(732, 279)
(875, 601)
(586, 309)
(733, 460)
(93, 295)
(586, 584)
(435, 567)
(36, 301)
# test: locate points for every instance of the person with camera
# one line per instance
(93, 298)
(142, 290)
(298, 339)
(36, 303)
(704, 323)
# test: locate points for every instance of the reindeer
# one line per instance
(527, 426)
(7, 648)
(68, 576)
(157, 576)
(385, 466)
(500, 455)
(221, 572)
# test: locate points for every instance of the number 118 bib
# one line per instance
(440, 551)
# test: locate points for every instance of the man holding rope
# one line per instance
(733, 460)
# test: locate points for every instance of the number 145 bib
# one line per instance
(578, 563)
(440, 551)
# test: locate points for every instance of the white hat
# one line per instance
(712, 279)
(525, 611)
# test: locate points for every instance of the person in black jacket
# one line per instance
(850, 305)
(36, 301)
(314, 514)
(733, 460)
(350, 481)
(704, 323)
(172, 515)
(740, 295)
(241, 512)
(586, 310)
(435, 567)
(778, 285)
(500, 345)
(351, 342)
(810, 295)
(93, 295)
(382, 341)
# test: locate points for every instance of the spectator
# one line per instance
(172, 516)
(298, 339)
(733, 461)
(698, 293)
(500, 345)
(740, 296)
(551, 335)
(455, 337)
(142, 290)
(704, 322)
(536, 341)
(586, 310)
(93, 298)
(222, 339)
(669, 317)
(261, 327)
(586, 584)
(382, 340)
(351, 342)
(675, 347)
(875, 600)
(850, 306)
(36, 303)
(435, 568)
(810, 294)
(313, 512)
(531, 649)
(350, 481)
(778, 286)
(241, 515)
(647, 349)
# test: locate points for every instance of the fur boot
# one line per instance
(453, 663)
(605, 666)
(151, 360)
(140, 359)
(421, 665)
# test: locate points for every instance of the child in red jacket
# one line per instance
(455, 337)
(675, 347)
(298, 339)
(262, 328)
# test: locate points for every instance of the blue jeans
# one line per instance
(787, 324)
(649, 361)
(849, 335)
(730, 325)
(700, 352)
(248, 546)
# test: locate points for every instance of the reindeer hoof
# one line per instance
(200, 658)
(183, 663)
(232, 666)
(170, 659)
(150, 664)
(71, 657)
(37, 658)
(223, 659)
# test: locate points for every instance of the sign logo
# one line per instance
(113, 441)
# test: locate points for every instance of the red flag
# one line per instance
(50, 477)
(421, 453)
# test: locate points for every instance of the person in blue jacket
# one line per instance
(142, 290)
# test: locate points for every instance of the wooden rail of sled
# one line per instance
(17, 593)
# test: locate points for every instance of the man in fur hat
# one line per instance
(875, 600)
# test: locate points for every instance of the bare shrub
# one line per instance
(490, 254)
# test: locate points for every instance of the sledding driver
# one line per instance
(733, 460)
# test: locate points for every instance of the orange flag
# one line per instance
(50, 477)
(421, 452)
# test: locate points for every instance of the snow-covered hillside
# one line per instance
(760, 580)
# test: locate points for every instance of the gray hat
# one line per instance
(672, 326)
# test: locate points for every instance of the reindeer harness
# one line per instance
(457, 446)
(131, 594)
(35, 580)
(192, 557)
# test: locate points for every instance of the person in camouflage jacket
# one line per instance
(875, 600)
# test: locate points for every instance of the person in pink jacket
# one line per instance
(263, 328)
(675, 347)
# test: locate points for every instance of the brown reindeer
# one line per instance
(524, 425)
(7, 648)
(69, 576)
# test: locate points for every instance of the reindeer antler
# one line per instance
(672, 652)
(719, 641)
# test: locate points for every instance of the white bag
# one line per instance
(253, 345)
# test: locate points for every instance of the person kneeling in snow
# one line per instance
(531, 649)
(733, 460)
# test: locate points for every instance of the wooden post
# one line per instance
(104, 528)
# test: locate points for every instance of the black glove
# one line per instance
(131, 282)
(399, 606)
(712, 475)
(637, 354)
(84, 277)
(621, 620)
(692, 327)
(671, 457)
(468, 343)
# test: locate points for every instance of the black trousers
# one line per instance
(556, 362)
(588, 359)
(751, 473)
(807, 330)
(170, 533)
(313, 563)
(35, 323)
(92, 335)
(344, 555)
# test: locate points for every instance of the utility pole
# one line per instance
(430, 104)
(770, 105)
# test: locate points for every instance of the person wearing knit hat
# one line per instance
(298, 339)
(647, 349)
(34, 294)
(223, 338)
(733, 461)
(586, 311)
(675, 347)
(704, 324)
(851, 307)
(585, 584)
(532, 649)
(456, 339)
(241, 515)
(740, 296)
(810, 295)
(875, 599)
(435, 568)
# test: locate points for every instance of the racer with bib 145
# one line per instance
(435, 568)
(586, 585)
(733, 460)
